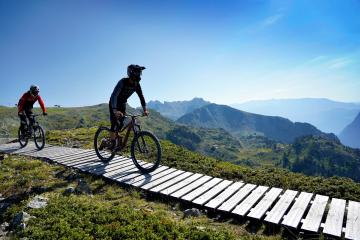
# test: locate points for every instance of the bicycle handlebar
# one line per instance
(135, 115)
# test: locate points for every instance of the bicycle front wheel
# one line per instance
(39, 137)
(146, 151)
(102, 144)
(22, 138)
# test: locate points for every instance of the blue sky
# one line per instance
(224, 51)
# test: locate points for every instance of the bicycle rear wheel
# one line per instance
(22, 138)
(102, 144)
(39, 137)
(146, 151)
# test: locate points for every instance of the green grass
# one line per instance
(21, 176)
(110, 212)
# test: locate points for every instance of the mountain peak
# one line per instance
(176, 109)
(326, 114)
(350, 136)
(240, 123)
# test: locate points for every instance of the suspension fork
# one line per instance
(137, 129)
(126, 136)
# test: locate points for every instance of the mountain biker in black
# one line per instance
(122, 91)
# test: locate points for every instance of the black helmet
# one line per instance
(34, 90)
(134, 71)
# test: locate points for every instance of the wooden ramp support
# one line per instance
(297, 210)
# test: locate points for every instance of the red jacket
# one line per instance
(27, 102)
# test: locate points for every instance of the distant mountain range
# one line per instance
(350, 136)
(240, 123)
(325, 114)
(176, 109)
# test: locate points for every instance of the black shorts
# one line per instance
(28, 115)
(115, 123)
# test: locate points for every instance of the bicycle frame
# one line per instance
(35, 122)
(132, 125)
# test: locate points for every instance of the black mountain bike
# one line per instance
(145, 147)
(35, 131)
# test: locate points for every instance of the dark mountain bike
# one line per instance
(145, 147)
(35, 131)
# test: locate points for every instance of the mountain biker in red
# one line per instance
(26, 104)
(122, 91)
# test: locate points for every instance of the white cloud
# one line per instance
(327, 62)
(339, 62)
(272, 20)
(317, 59)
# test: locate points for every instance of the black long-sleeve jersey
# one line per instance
(122, 91)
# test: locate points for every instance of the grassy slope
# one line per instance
(213, 142)
(110, 212)
(314, 155)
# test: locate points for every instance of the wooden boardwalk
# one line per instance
(302, 211)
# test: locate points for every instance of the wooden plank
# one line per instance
(113, 165)
(71, 157)
(237, 197)
(214, 203)
(138, 173)
(60, 153)
(191, 186)
(100, 169)
(260, 209)
(31, 152)
(17, 148)
(171, 182)
(201, 189)
(294, 216)
(85, 164)
(9, 146)
(23, 150)
(78, 151)
(181, 184)
(278, 211)
(28, 149)
(248, 202)
(100, 164)
(334, 220)
(48, 150)
(148, 178)
(156, 182)
(124, 171)
(352, 230)
(50, 153)
(116, 167)
(54, 151)
(315, 214)
(78, 163)
(57, 155)
(76, 160)
(121, 172)
(201, 200)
